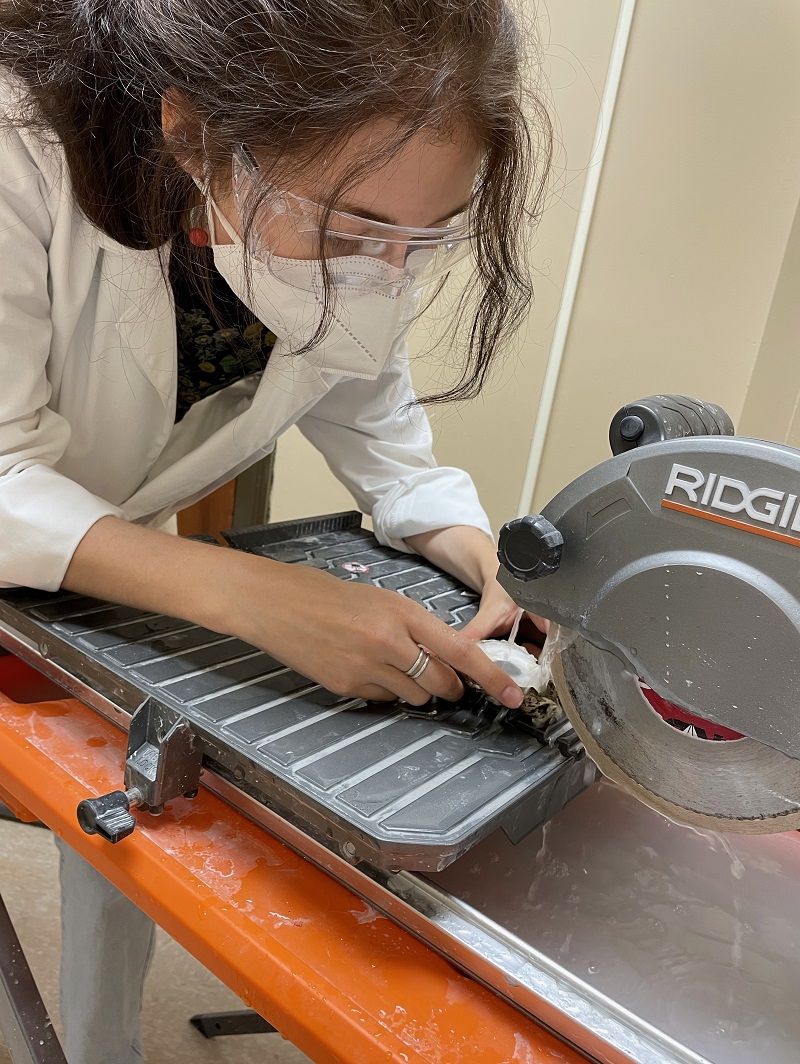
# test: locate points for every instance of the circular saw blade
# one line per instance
(736, 786)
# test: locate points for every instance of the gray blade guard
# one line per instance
(681, 557)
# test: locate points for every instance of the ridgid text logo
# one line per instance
(713, 497)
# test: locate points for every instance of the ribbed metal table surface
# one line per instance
(383, 784)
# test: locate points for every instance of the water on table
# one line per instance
(697, 933)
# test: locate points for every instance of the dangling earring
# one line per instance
(197, 234)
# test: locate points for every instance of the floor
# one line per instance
(177, 987)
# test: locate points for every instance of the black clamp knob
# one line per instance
(108, 816)
(530, 547)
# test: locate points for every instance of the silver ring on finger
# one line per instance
(420, 665)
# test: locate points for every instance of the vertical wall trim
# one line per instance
(577, 252)
(771, 409)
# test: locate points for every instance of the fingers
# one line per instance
(440, 680)
(374, 693)
(461, 654)
(495, 616)
(480, 627)
(369, 656)
(437, 679)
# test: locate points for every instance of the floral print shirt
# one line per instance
(215, 347)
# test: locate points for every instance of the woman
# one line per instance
(219, 219)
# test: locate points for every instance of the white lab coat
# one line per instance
(88, 369)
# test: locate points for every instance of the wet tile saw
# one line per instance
(672, 571)
(667, 569)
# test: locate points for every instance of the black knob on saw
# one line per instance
(665, 417)
(530, 547)
(108, 816)
(631, 428)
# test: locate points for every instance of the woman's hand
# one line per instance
(496, 616)
(354, 639)
(471, 556)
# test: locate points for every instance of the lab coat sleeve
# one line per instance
(43, 515)
(380, 448)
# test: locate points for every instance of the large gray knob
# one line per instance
(530, 547)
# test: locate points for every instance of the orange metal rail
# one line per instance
(345, 984)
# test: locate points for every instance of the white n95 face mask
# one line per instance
(287, 296)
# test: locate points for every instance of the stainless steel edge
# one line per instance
(535, 983)
(552, 996)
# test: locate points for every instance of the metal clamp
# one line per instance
(163, 762)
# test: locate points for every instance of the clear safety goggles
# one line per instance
(359, 252)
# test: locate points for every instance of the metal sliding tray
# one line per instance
(395, 790)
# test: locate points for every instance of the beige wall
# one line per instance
(699, 192)
(689, 238)
(771, 407)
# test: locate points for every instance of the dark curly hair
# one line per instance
(290, 79)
